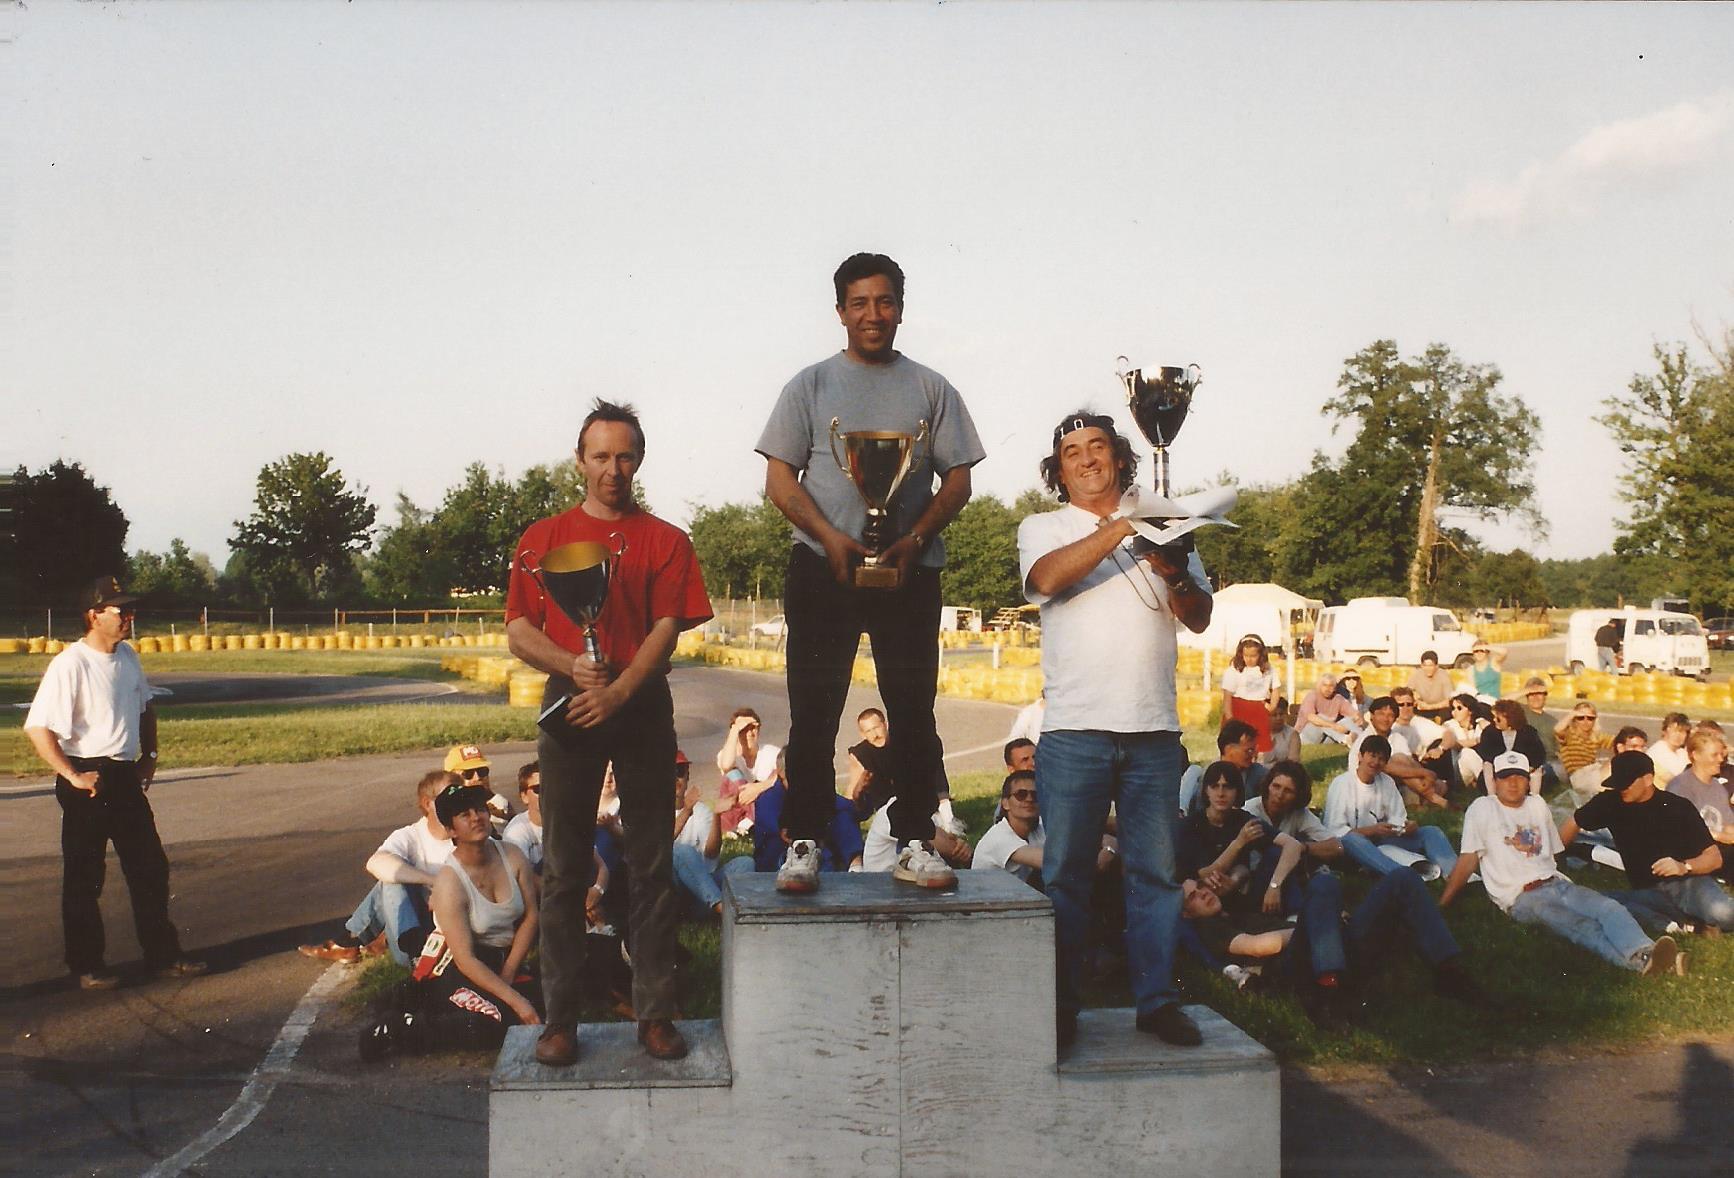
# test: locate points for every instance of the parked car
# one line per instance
(771, 627)
(1719, 633)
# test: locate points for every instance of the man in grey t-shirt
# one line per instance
(867, 386)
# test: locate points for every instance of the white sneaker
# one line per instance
(1426, 869)
(800, 870)
(920, 865)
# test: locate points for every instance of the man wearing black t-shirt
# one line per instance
(1669, 854)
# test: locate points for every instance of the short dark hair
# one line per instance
(1429, 656)
(1384, 701)
(1233, 732)
(865, 712)
(1012, 778)
(1375, 744)
(1016, 743)
(739, 712)
(1675, 720)
(612, 411)
(1214, 773)
(1295, 772)
(1123, 454)
(527, 771)
(1629, 731)
(858, 266)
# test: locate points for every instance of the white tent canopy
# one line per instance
(1266, 593)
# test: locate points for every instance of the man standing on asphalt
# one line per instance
(92, 723)
(869, 385)
(620, 711)
(1111, 735)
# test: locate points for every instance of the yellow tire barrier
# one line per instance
(38, 645)
(526, 689)
(13, 646)
(53, 646)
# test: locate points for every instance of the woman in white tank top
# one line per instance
(484, 903)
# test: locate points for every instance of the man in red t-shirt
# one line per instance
(620, 711)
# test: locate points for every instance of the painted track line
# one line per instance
(257, 1091)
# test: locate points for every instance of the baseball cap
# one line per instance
(464, 756)
(455, 799)
(680, 757)
(1510, 762)
(1536, 683)
(104, 592)
(1626, 768)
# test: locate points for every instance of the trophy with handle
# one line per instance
(576, 577)
(876, 461)
(1160, 399)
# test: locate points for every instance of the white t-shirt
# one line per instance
(417, 846)
(92, 701)
(1418, 734)
(1669, 762)
(879, 849)
(1250, 684)
(996, 847)
(1351, 802)
(524, 835)
(764, 766)
(1516, 844)
(1400, 746)
(1108, 650)
(1191, 782)
(1028, 725)
(1299, 823)
(697, 830)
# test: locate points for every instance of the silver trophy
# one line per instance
(1159, 405)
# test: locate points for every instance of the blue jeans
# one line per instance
(1398, 901)
(1587, 919)
(1696, 898)
(692, 875)
(1078, 775)
(1427, 841)
(393, 909)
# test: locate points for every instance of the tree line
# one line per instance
(1431, 442)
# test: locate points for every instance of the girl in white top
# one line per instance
(1469, 719)
(1249, 688)
(484, 904)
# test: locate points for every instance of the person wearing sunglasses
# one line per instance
(1014, 843)
(524, 831)
(467, 761)
(91, 722)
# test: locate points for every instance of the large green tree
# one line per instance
(176, 578)
(742, 548)
(409, 564)
(306, 526)
(1676, 428)
(66, 530)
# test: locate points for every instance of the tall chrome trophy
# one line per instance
(576, 577)
(876, 461)
(1159, 405)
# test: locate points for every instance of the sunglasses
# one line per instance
(476, 774)
(533, 789)
(1024, 795)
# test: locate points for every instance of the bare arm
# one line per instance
(527, 641)
(388, 868)
(451, 908)
(524, 939)
(1705, 862)
(593, 705)
(713, 841)
(954, 491)
(1467, 862)
(47, 746)
(1260, 944)
(1065, 566)
(783, 488)
(1568, 831)
(1326, 849)
(858, 777)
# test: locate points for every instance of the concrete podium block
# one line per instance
(874, 1028)
(616, 1111)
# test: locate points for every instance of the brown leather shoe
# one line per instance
(557, 1046)
(661, 1038)
(333, 951)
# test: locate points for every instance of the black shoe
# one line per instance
(397, 1033)
(1451, 980)
(182, 968)
(1171, 1025)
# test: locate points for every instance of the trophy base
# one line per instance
(876, 576)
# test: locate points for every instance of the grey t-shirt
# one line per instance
(895, 396)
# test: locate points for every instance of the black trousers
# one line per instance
(119, 813)
(826, 621)
(639, 739)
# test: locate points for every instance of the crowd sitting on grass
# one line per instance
(1265, 873)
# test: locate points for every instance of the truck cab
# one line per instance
(1650, 640)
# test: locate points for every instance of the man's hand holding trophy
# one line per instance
(877, 461)
(1160, 399)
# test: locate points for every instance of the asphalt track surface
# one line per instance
(161, 1077)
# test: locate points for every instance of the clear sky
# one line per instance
(417, 236)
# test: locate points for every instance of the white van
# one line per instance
(1388, 630)
(959, 617)
(1653, 640)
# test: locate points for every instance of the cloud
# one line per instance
(1651, 151)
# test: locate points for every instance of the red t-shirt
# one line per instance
(658, 578)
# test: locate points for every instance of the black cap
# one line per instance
(455, 799)
(1627, 767)
(104, 592)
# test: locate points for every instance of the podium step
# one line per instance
(609, 1057)
(1109, 1042)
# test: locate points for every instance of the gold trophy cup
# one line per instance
(576, 578)
(876, 461)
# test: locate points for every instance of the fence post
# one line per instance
(273, 620)
(50, 631)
